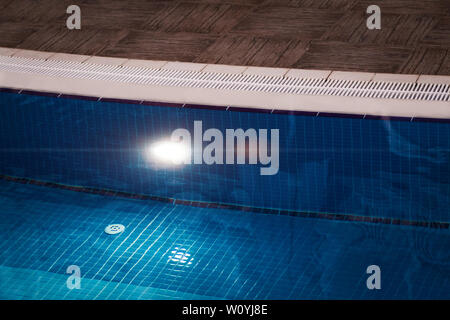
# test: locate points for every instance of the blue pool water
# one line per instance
(365, 168)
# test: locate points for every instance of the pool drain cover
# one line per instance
(114, 228)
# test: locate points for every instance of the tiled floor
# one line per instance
(180, 252)
(315, 34)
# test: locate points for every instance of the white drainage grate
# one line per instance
(114, 228)
(180, 256)
(239, 82)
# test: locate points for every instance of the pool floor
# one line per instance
(180, 252)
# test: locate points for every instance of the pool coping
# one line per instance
(218, 99)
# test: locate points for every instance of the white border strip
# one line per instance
(267, 88)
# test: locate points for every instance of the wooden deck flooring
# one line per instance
(314, 34)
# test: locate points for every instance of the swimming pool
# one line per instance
(349, 192)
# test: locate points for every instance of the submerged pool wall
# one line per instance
(397, 168)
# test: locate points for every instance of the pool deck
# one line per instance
(302, 34)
